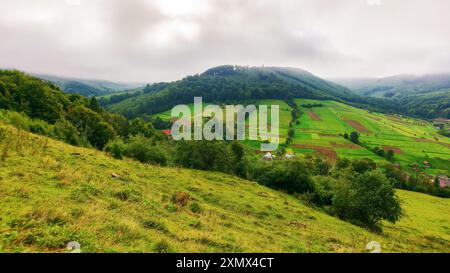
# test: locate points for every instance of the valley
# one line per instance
(320, 131)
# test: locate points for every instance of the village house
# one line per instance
(426, 164)
(289, 156)
(268, 157)
(443, 180)
(167, 132)
(438, 126)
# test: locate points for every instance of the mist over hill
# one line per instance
(88, 87)
(426, 96)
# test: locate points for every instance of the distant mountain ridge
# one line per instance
(426, 96)
(397, 84)
(88, 87)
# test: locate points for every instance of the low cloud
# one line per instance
(152, 40)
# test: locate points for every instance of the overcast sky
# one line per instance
(160, 40)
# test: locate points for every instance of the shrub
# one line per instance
(142, 149)
(366, 199)
(140, 126)
(91, 125)
(354, 137)
(363, 165)
(19, 120)
(324, 190)
(195, 207)
(150, 224)
(161, 247)
(319, 166)
(381, 152)
(390, 155)
(291, 176)
(291, 133)
(41, 127)
(101, 134)
(65, 131)
(128, 195)
(180, 198)
(395, 174)
(342, 163)
(116, 148)
(205, 155)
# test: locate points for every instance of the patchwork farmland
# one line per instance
(412, 141)
(321, 127)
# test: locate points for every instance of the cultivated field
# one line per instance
(321, 129)
(413, 141)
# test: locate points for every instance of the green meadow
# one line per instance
(413, 141)
(320, 131)
(53, 193)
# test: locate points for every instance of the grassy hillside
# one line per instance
(88, 87)
(412, 140)
(53, 193)
(424, 96)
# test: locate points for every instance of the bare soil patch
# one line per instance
(358, 126)
(327, 135)
(314, 116)
(396, 150)
(321, 151)
(445, 145)
(424, 140)
(346, 146)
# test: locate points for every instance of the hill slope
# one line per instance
(320, 131)
(425, 96)
(53, 193)
(236, 84)
(412, 140)
(88, 87)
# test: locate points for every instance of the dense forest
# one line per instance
(234, 84)
(44, 108)
(88, 88)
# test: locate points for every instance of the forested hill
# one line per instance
(425, 96)
(71, 118)
(87, 88)
(231, 84)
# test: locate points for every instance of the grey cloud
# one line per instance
(142, 41)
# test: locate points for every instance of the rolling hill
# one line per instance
(412, 140)
(88, 87)
(229, 84)
(425, 96)
(53, 193)
(320, 131)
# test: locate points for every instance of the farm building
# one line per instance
(444, 181)
(268, 157)
(441, 120)
(426, 164)
(167, 132)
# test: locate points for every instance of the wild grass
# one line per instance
(52, 193)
